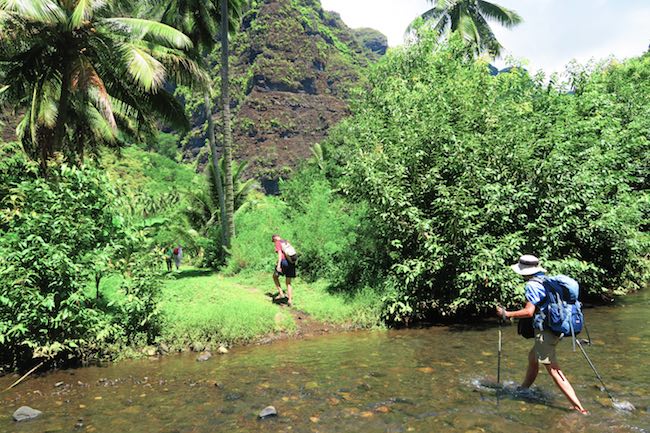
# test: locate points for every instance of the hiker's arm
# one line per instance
(527, 311)
(279, 265)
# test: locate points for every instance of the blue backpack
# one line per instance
(561, 312)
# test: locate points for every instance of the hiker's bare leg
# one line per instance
(533, 369)
(276, 280)
(289, 290)
(563, 383)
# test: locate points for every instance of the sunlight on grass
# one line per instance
(207, 307)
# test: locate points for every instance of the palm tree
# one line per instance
(203, 211)
(227, 131)
(85, 75)
(470, 18)
(200, 19)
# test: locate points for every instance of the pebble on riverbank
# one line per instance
(26, 413)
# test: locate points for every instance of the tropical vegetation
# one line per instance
(412, 209)
(86, 75)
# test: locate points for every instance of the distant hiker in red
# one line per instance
(285, 266)
(178, 256)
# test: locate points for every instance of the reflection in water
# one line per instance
(428, 380)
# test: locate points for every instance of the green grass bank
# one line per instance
(200, 307)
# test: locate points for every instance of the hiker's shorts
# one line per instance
(545, 342)
(288, 269)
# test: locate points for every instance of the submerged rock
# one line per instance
(204, 356)
(267, 412)
(25, 413)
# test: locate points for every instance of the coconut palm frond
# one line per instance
(151, 31)
(489, 40)
(103, 130)
(38, 11)
(470, 18)
(432, 15)
(184, 69)
(468, 29)
(145, 69)
(84, 11)
(504, 16)
(84, 77)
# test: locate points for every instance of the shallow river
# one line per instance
(426, 380)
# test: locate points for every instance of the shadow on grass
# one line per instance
(275, 300)
(191, 273)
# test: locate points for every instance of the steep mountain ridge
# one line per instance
(293, 67)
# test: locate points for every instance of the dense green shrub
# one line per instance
(320, 224)
(52, 230)
(462, 172)
(252, 249)
(56, 234)
(137, 310)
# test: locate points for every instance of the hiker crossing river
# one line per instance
(541, 302)
(438, 379)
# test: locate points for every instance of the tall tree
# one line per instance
(470, 18)
(227, 132)
(200, 19)
(86, 75)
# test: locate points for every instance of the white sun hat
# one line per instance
(528, 265)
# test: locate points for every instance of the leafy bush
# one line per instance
(56, 235)
(316, 220)
(137, 309)
(462, 172)
(51, 232)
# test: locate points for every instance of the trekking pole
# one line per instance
(588, 336)
(501, 320)
(499, 356)
(591, 364)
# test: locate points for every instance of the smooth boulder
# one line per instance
(267, 412)
(25, 413)
(204, 356)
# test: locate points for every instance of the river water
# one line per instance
(438, 379)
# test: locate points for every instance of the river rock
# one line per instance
(58, 384)
(197, 346)
(204, 356)
(268, 412)
(222, 350)
(150, 351)
(25, 413)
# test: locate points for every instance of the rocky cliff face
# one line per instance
(293, 67)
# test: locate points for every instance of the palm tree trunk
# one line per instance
(227, 133)
(215, 164)
(47, 147)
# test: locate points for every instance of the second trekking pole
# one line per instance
(499, 356)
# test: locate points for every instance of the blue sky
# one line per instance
(553, 32)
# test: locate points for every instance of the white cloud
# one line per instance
(553, 33)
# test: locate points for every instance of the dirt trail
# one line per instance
(306, 326)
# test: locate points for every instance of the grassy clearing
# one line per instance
(201, 306)
(360, 310)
